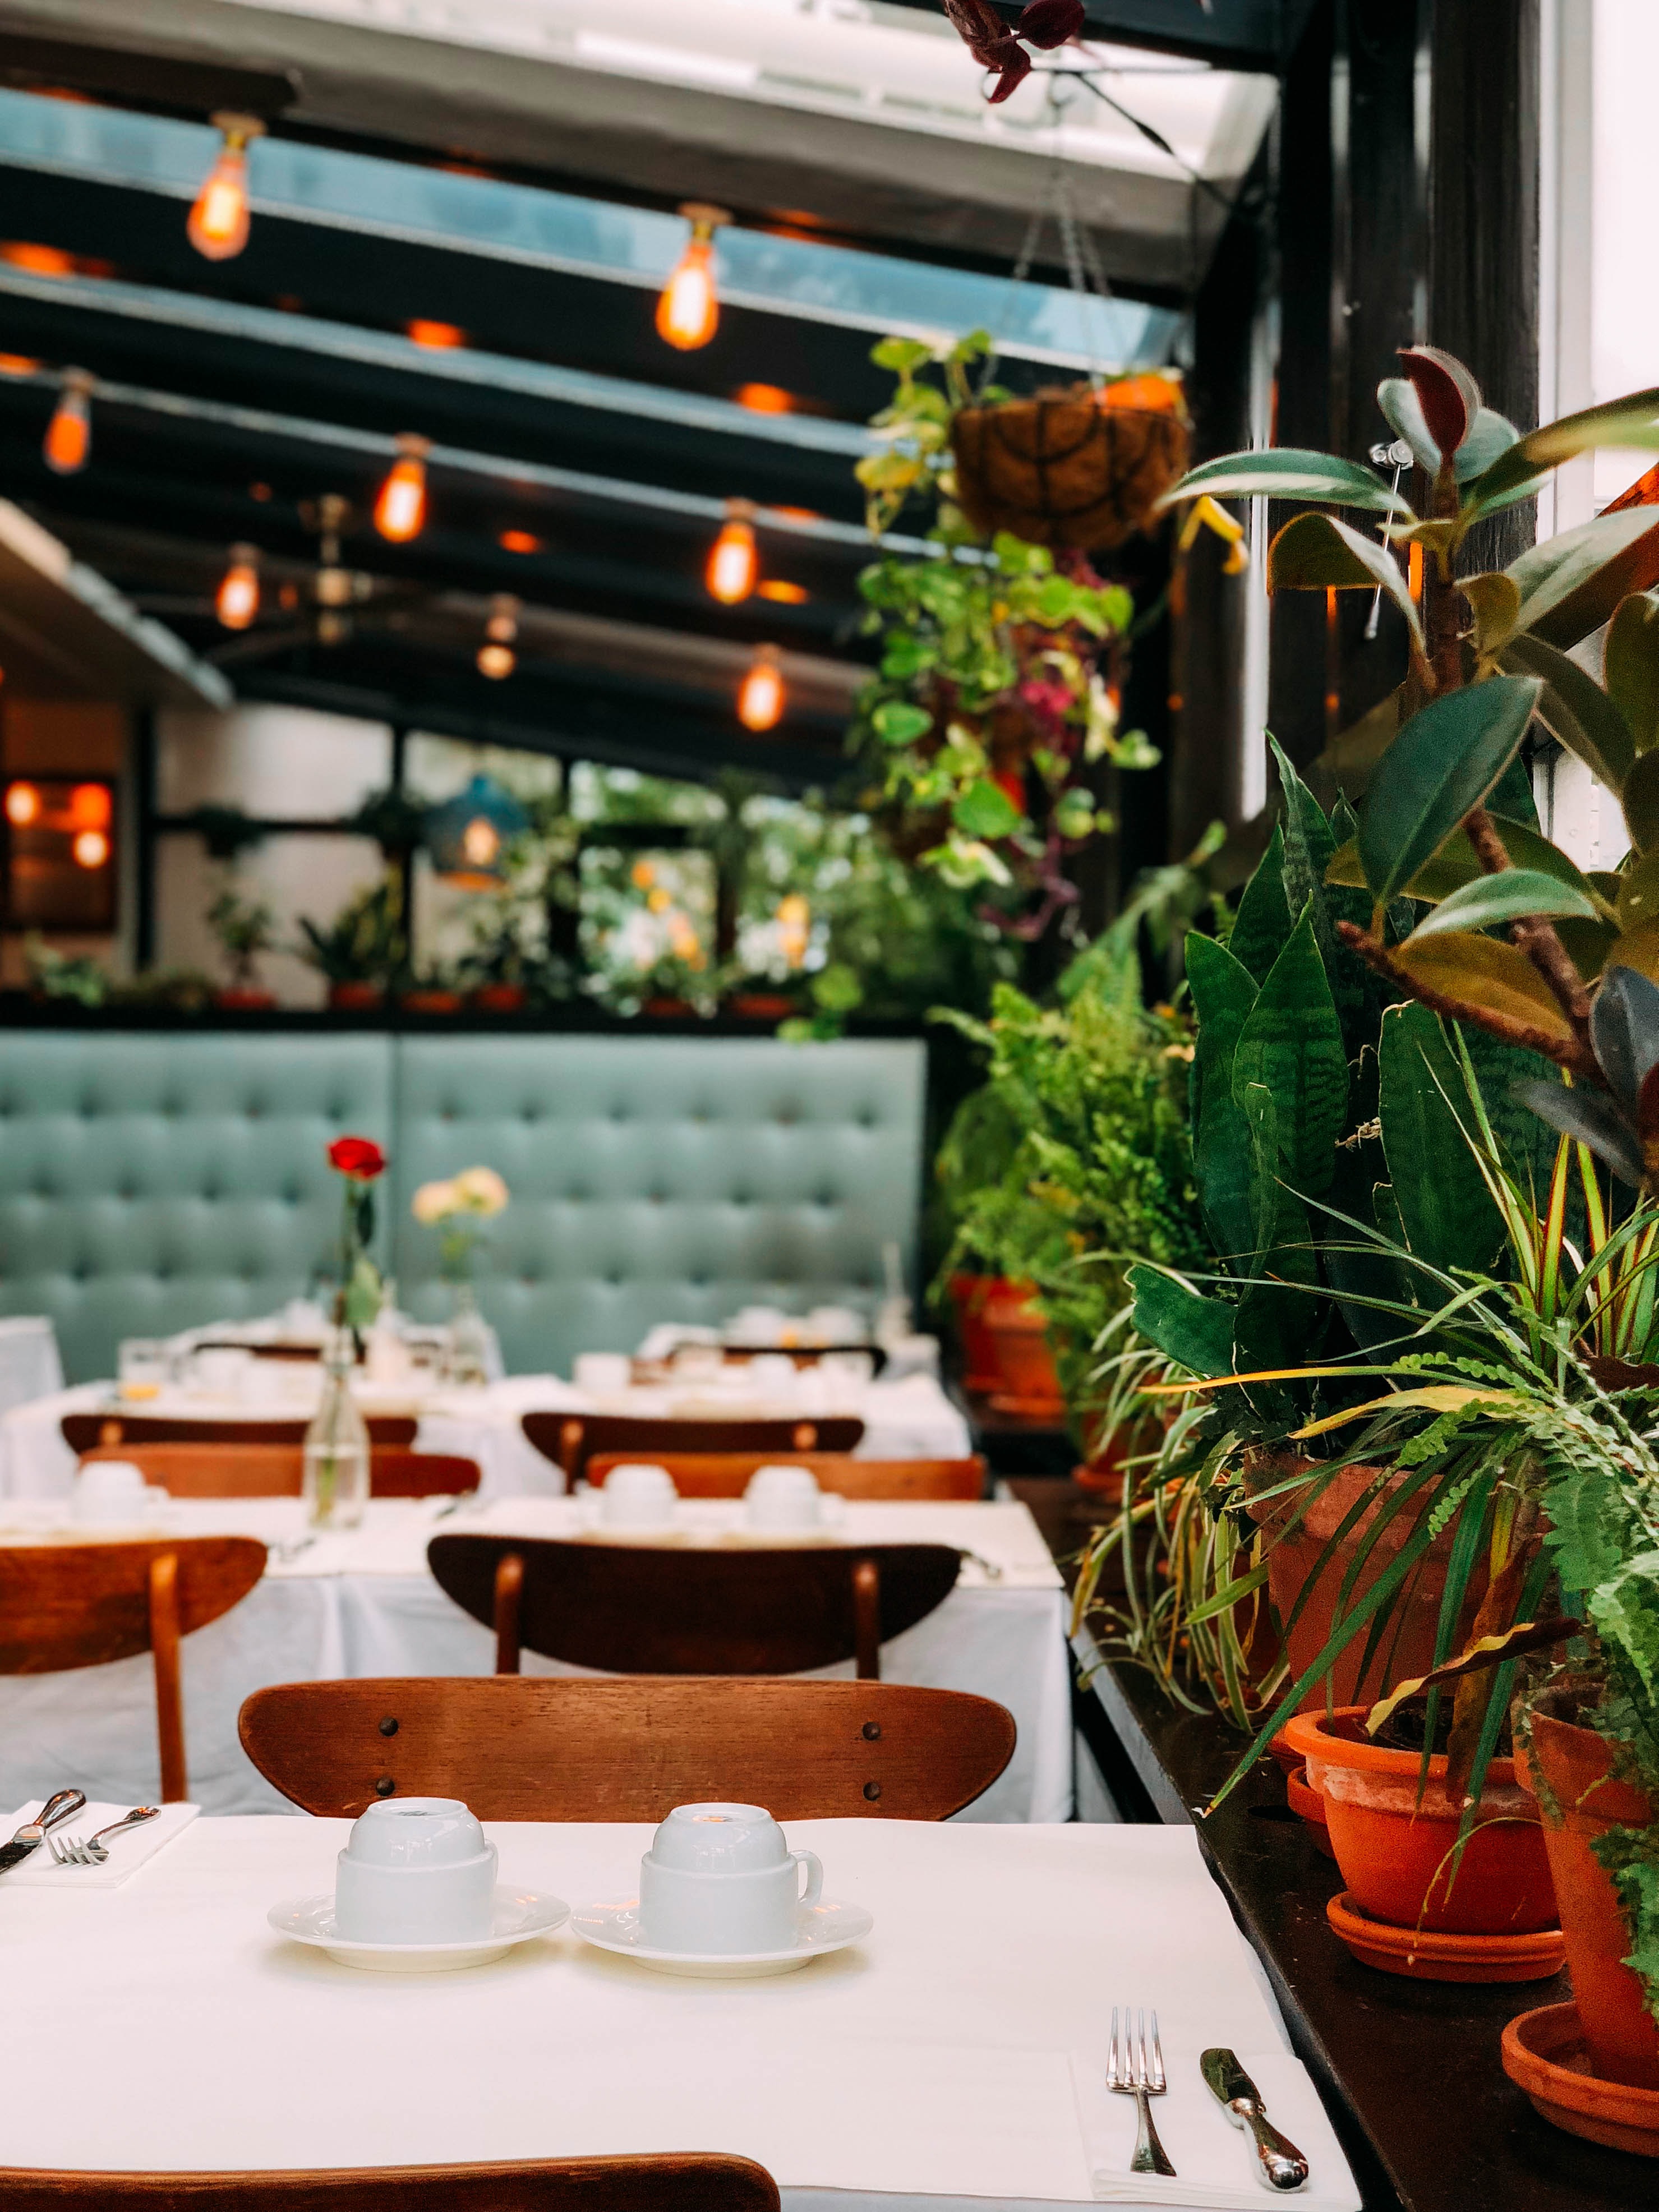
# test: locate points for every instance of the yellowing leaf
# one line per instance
(1433, 1397)
(1481, 972)
(1495, 601)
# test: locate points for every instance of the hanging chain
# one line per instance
(1084, 271)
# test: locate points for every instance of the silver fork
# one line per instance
(1135, 2068)
(69, 1850)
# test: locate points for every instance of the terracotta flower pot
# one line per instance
(668, 1009)
(500, 997)
(969, 1295)
(1394, 1849)
(355, 998)
(1569, 1769)
(244, 1002)
(1019, 1348)
(1305, 1802)
(431, 1002)
(1407, 1648)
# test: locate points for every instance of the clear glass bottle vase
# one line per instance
(466, 1352)
(335, 1485)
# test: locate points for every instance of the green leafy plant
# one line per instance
(56, 974)
(246, 927)
(365, 943)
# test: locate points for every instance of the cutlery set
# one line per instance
(1134, 2068)
(67, 1851)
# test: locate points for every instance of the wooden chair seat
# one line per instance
(726, 1474)
(675, 2181)
(628, 1749)
(84, 1433)
(63, 1606)
(660, 1609)
(238, 1470)
(570, 1440)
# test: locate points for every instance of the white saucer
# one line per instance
(820, 1929)
(518, 1915)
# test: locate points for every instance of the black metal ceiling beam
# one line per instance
(129, 77)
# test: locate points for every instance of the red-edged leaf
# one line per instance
(1011, 59)
(1446, 393)
(1049, 23)
(980, 28)
(1647, 1121)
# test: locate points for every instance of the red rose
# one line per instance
(358, 1158)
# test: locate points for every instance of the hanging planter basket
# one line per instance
(1077, 466)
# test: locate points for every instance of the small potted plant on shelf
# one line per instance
(435, 989)
(245, 927)
(361, 948)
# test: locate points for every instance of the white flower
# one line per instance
(480, 1190)
(436, 1202)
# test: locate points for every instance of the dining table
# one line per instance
(909, 1416)
(956, 2054)
(363, 1602)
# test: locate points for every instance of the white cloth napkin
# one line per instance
(127, 1852)
(1215, 2162)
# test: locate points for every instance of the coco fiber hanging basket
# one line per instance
(1075, 466)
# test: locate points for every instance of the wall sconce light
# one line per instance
(218, 221)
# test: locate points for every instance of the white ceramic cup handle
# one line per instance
(814, 1867)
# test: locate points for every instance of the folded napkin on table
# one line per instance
(127, 1852)
(1215, 2162)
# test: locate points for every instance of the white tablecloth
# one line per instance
(29, 1364)
(365, 1604)
(933, 2059)
(909, 1418)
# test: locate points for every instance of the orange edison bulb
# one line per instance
(689, 309)
(733, 563)
(238, 599)
(761, 701)
(218, 224)
(400, 510)
(69, 435)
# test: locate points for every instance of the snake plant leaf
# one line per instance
(1589, 1117)
(1632, 421)
(1292, 1043)
(1570, 584)
(1640, 797)
(1444, 762)
(1575, 709)
(1365, 1278)
(1449, 1216)
(1483, 972)
(1196, 1333)
(1510, 895)
(1632, 666)
(1289, 472)
(1318, 553)
(1456, 864)
(1309, 846)
(1224, 993)
(1262, 927)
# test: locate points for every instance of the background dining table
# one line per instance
(364, 1603)
(908, 1417)
(955, 2054)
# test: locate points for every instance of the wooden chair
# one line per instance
(672, 2181)
(276, 1470)
(661, 1609)
(81, 1604)
(520, 1748)
(570, 1440)
(84, 1433)
(726, 1474)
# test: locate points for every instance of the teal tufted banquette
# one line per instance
(151, 1181)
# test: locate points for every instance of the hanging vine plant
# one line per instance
(996, 701)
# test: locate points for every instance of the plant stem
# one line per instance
(1574, 1055)
(1534, 936)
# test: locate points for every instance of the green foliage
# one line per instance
(1444, 762)
(365, 942)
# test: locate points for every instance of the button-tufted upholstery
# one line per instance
(152, 1182)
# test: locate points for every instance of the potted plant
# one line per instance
(433, 988)
(245, 927)
(362, 949)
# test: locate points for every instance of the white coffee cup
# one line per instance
(220, 1370)
(720, 1880)
(112, 1490)
(782, 1498)
(636, 1495)
(603, 1373)
(415, 1871)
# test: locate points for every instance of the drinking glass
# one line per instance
(144, 1366)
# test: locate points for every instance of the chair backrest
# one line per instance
(726, 1474)
(570, 1440)
(238, 1470)
(672, 2181)
(81, 1604)
(528, 1749)
(84, 1433)
(649, 1609)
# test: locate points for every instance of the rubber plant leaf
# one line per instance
(1402, 410)
(1490, 434)
(1632, 666)
(1196, 1333)
(1589, 1118)
(1570, 584)
(1625, 1032)
(1510, 895)
(1632, 421)
(1316, 553)
(1446, 393)
(1289, 472)
(1292, 1043)
(1456, 864)
(1639, 893)
(1481, 971)
(1449, 1217)
(1444, 762)
(1575, 709)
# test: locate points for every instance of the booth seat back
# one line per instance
(152, 1182)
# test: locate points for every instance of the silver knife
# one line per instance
(1282, 2164)
(31, 1835)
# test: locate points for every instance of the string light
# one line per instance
(785, 594)
(732, 562)
(689, 309)
(218, 223)
(22, 805)
(761, 701)
(400, 509)
(69, 435)
(496, 658)
(90, 849)
(238, 598)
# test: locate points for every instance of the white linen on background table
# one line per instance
(364, 1603)
(910, 1418)
(930, 2059)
